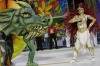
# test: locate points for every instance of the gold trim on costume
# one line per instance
(92, 56)
(76, 50)
(0, 57)
(74, 58)
(91, 24)
(82, 30)
(90, 48)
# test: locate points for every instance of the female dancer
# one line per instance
(79, 27)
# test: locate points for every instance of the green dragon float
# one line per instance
(24, 22)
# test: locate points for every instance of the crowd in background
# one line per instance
(57, 39)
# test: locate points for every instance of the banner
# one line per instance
(98, 19)
(98, 5)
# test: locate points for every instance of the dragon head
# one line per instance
(23, 21)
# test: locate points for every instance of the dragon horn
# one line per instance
(23, 4)
(51, 20)
(42, 14)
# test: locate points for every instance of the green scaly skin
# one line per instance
(25, 23)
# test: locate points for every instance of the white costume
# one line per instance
(67, 39)
(82, 37)
(94, 39)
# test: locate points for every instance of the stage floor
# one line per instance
(59, 57)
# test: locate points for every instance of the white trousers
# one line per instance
(68, 41)
(83, 40)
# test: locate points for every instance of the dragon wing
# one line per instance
(18, 41)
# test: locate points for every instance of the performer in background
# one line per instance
(67, 39)
(39, 42)
(2, 50)
(46, 40)
(77, 22)
(94, 39)
(9, 49)
(52, 36)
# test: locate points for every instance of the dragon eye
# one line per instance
(44, 20)
(25, 15)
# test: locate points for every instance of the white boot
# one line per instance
(73, 60)
(93, 58)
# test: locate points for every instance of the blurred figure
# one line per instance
(67, 39)
(52, 36)
(94, 39)
(2, 50)
(39, 41)
(46, 40)
(9, 50)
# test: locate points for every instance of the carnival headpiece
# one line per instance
(80, 8)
